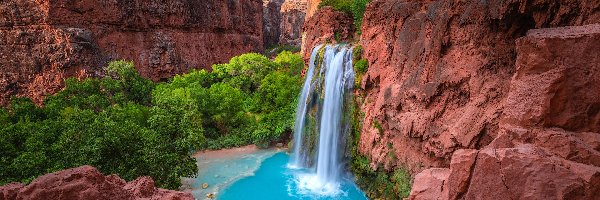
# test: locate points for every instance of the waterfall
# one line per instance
(329, 78)
(298, 158)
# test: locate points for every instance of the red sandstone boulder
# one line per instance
(43, 43)
(431, 184)
(87, 183)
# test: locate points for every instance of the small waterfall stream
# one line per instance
(329, 79)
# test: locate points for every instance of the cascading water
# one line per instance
(315, 170)
(323, 95)
(298, 158)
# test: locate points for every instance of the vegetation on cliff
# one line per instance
(127, 125)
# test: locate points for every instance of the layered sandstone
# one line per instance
(87, 183)
(44, 42)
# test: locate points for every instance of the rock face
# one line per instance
(45, 42)
(293, 13)
(272, 22)
(439, 72)
(312, 7)
(283, 21)
(327, 25)
(87, 183)
(479, 97)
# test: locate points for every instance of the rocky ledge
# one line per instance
(88, 183)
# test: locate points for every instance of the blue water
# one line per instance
(274, 180)
(221, 171)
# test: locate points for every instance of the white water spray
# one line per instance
(336, 67)
(298, 158)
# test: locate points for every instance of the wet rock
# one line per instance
(279, 145)
(87, 183)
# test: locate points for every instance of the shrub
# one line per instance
(361, 66)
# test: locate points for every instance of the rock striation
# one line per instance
(283, 21)
(44, 42)
(88, 183)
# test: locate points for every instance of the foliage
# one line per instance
(251, 99)
(127, 125)
(361, 66)
(378, 183)
(276, 50)
(290, 62)
(106, 123)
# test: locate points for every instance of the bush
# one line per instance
(290, 62)
(381, 184)
(125, 124)
(361, 66)
(101, 122)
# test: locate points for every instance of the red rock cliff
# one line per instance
(44, 42)
(440, 72)
(474, 106)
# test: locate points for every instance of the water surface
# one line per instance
(275, 180)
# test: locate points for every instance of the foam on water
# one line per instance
(274, 180)
(336, 74)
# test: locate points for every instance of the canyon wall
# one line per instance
(283, 21)
(271, 22)
(292, 21)
(439, 72)
(474, 106)
(548, 143)
(45, 42)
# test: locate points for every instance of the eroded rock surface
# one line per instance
(44, 42)
(548, 140)
(440, 72)
(87, 183)
(327, 25)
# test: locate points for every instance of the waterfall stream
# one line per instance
(329, 78)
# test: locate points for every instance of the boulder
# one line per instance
(87, 183)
